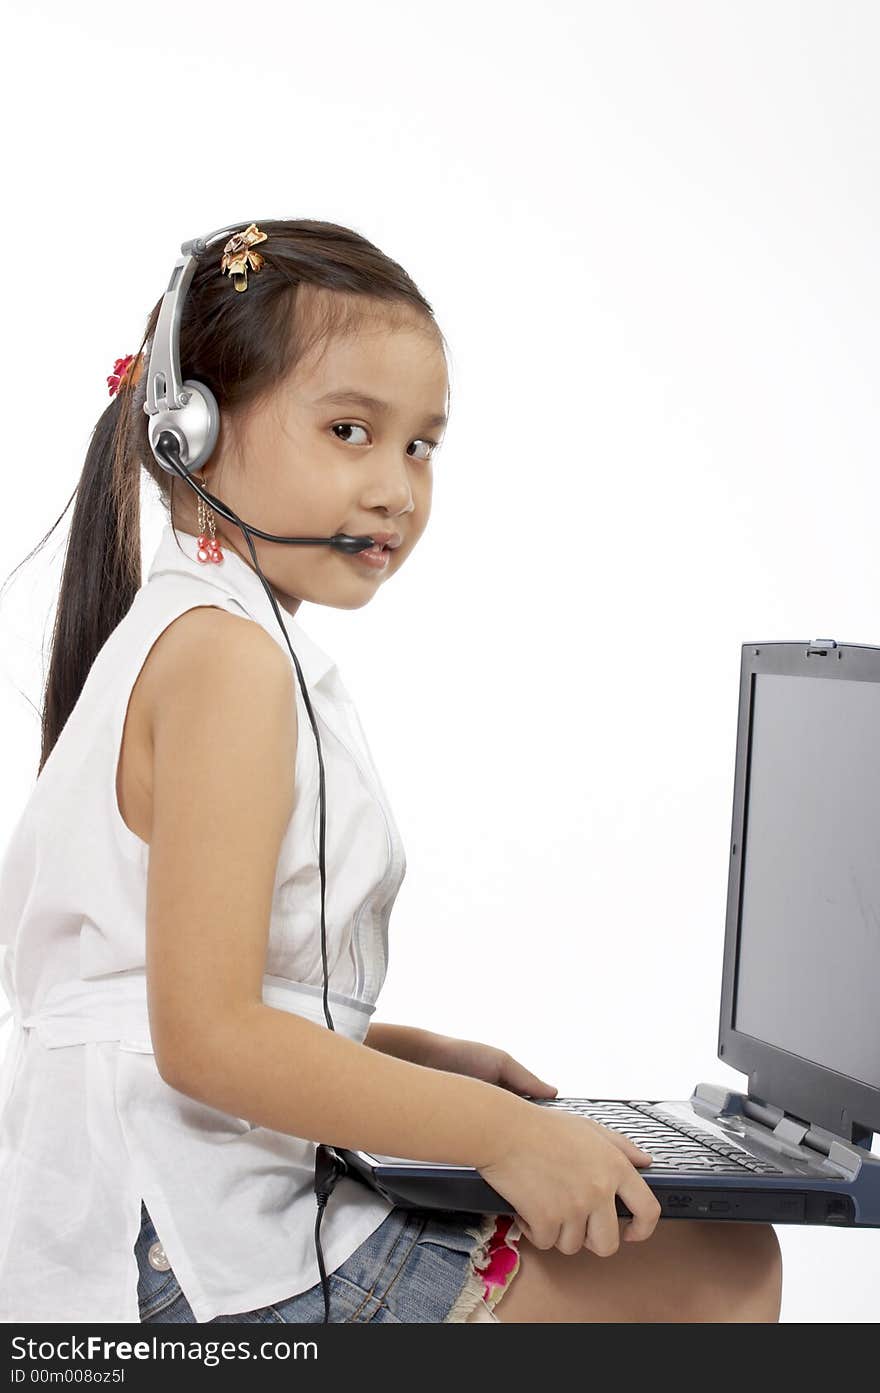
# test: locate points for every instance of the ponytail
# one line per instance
(102, 565)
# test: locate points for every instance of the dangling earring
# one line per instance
(209, 547)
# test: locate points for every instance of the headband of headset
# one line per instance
(188, 409)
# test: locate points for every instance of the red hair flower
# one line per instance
(121, 369)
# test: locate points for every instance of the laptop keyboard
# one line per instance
(673, 1145)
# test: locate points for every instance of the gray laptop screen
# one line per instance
(808, 978)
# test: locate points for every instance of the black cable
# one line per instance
(169, 447)
(322, 1204)
(328, 1165)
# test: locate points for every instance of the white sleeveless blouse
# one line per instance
(87, 1125)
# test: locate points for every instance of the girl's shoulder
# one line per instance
(193, 653)
(205, 639)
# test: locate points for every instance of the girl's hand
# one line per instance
(561, 1174)
(488, 1063)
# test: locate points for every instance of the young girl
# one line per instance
(171, 1070)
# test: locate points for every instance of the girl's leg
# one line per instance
(688, 1270)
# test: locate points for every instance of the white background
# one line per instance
(649, 232)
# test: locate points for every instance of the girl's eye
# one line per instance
(347, 425)
(434, 445)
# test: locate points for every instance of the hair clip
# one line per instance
(122, 370)
(237, 255)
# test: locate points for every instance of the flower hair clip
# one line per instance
(237, 256)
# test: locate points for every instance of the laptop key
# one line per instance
(672, 1145)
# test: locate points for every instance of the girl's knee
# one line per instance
(748, 1282)
(767, 1260)
(759, 1248)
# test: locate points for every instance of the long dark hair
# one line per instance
(241, 346)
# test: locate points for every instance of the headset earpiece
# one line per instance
(195, 424)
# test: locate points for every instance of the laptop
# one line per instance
(800, 984)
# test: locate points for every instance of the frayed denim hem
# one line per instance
(472, 1304)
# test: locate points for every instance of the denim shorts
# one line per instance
(417, 1266)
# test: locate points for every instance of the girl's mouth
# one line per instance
(375, 557)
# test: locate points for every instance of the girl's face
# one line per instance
(315, 460)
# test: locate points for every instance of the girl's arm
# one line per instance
(284, 1072)
(224, 754)
(403, 1041)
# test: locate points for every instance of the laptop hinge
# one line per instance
(775, 1127)
(792, 1129)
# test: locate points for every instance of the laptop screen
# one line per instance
(808, 965)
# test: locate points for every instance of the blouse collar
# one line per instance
(234, 576)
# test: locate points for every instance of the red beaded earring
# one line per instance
(209, 547)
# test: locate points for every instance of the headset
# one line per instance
(184, 422)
